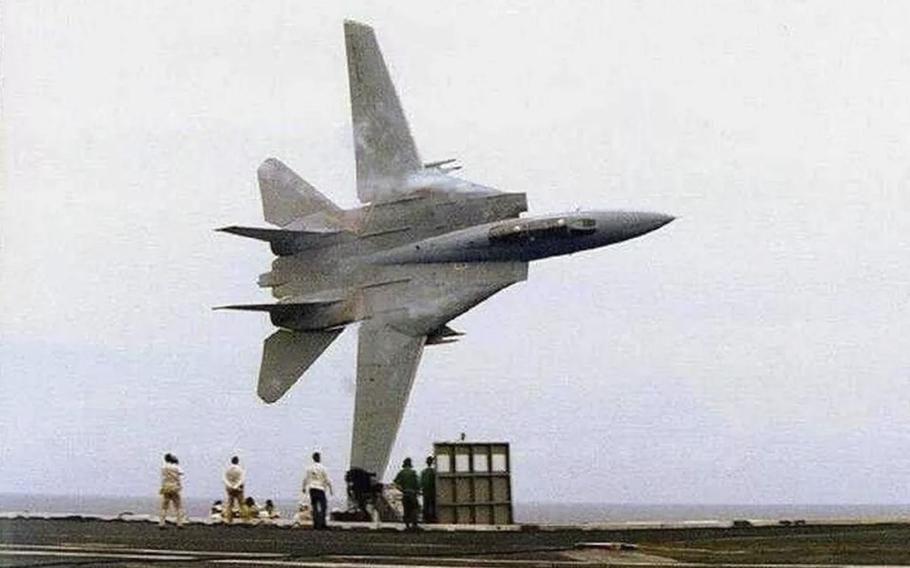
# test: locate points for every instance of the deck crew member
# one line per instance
(233, 486)
(315, 483)
(407, 481)
(428, 489)
(170, 489)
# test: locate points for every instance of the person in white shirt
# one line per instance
(170, 489)
(233, 486)
(315, 483)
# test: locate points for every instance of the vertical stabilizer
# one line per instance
(285, 357)
(287, 198)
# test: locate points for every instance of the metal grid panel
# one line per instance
(473, 483)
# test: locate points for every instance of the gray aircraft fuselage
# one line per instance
(348, 271)
(527, 239)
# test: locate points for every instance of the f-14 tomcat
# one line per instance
(425, 248)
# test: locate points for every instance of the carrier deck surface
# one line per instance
(94, 542)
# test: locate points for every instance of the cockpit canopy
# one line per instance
(522, 230)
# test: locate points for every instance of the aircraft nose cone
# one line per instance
(642, 223)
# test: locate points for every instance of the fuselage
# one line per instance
(526, 239)
(363, 272)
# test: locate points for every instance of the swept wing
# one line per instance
(384, 149)
(391, 343)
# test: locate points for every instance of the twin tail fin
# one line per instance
(286, 355)
(288, 201)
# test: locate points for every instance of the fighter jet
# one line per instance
(425, 248)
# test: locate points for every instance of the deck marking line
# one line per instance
(46, 553)
(453, 560)
(121, 548)
(317, 564)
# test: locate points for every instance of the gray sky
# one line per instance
(754, 351)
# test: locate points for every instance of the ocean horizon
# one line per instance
(524, 512)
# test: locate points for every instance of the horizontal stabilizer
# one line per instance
(286, 355)
(303, 313)
(286, 306)
(285, 242)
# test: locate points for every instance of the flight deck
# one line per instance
(85, 541)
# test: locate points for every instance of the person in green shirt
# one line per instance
(428, 488)
(409, 484)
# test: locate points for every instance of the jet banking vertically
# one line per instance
(424, 248)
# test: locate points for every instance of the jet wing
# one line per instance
(384, 149)
(388, 164)
(386, 364)
(391, 343)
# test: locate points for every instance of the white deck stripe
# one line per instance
(470, 560)
(113, 555)
(101, 548)
(324, 564)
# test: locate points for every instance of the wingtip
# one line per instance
(269, 398)
(269, 165)
(355, 25)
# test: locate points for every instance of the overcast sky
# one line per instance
(753, 351)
